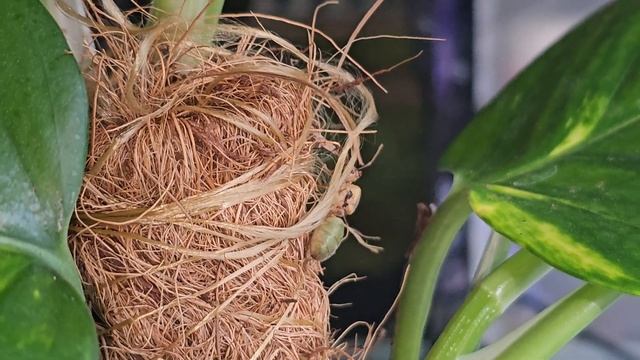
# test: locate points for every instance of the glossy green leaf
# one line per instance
(554, 161)
(41, 316)
(43, 140)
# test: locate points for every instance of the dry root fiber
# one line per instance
(208, 169)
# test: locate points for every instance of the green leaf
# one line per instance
(43, 141)
(41, 315)
(554, 161)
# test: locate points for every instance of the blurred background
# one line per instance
(428, 102)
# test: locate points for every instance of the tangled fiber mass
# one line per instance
(209, 168)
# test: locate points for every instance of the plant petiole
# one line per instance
(424, 268)
(488, 300)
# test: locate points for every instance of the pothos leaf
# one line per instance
(41, 315)
(43, 140)
(554, 161)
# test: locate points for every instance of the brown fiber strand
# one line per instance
(208, 169)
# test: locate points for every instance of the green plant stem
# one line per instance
(489, 299)
(555, 328)
(496, 251)
(199, 26)
(424, 267)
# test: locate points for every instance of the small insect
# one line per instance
(423, 218)
(326, 238)
(350, 198)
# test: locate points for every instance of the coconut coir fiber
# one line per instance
(209, 168)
